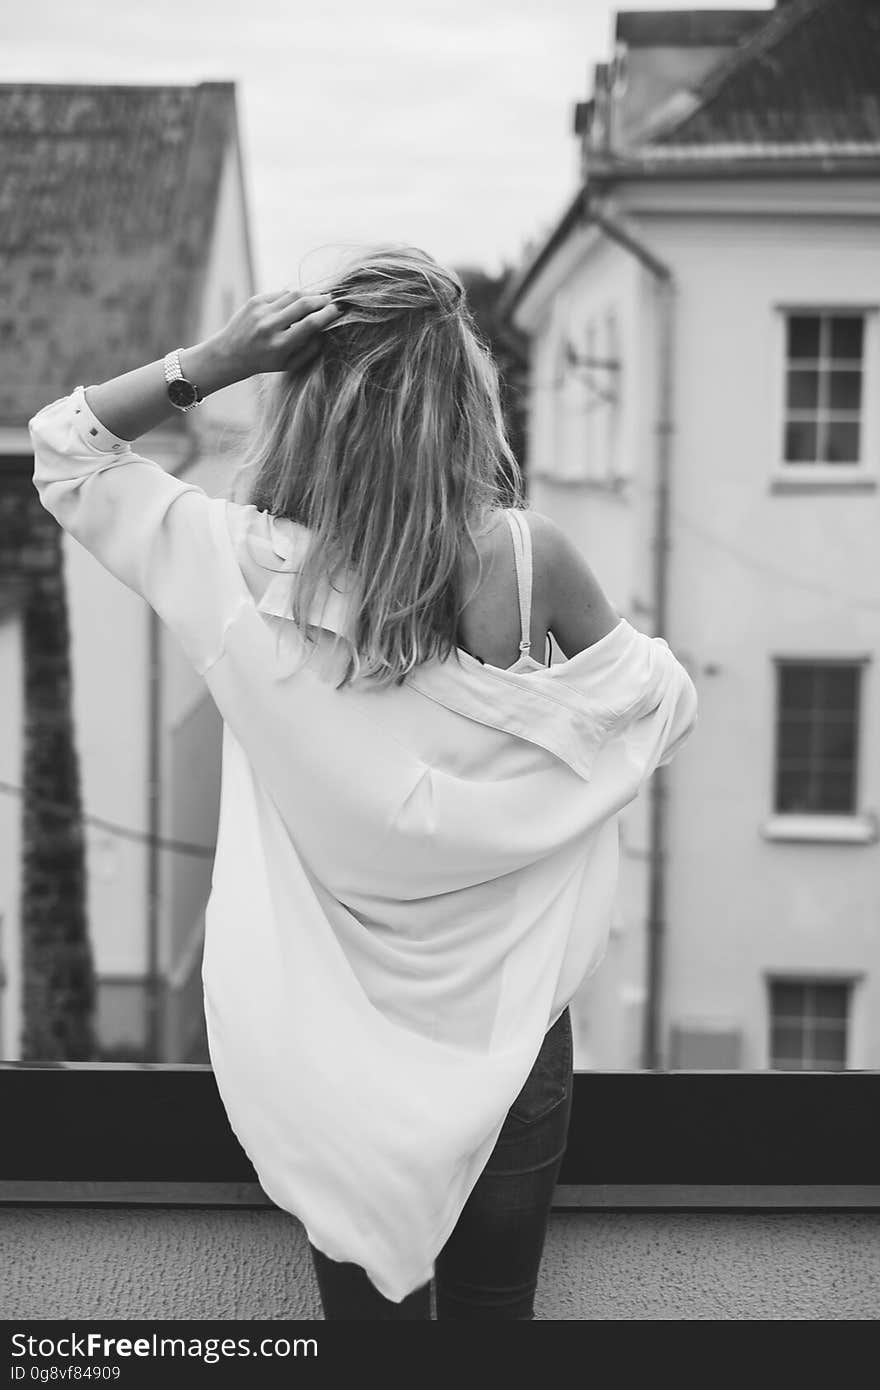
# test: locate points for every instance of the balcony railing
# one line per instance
(682, 1194)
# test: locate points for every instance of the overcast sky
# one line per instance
(444, 123)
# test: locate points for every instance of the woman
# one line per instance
(417, 849)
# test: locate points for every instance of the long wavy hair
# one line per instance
(390, 447)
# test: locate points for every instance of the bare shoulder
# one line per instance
(577, 610)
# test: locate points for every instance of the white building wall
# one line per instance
(191, 728)
(754, 573)
(108, 634)
(757, 573)
(228, 283)
(110, 656)
(590, 468)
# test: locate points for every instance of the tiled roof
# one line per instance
(107, 204)
(811, 74)
(686, 28)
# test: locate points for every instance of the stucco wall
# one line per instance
(740, 905)
(173, 1263)
(755, 574)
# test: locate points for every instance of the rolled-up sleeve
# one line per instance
(164, 538)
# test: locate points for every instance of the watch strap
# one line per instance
(174, 372)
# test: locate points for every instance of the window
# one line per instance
(817, 738)
(823, 388)
(808, 1025)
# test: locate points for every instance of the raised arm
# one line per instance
(270, 333)
(161, 536)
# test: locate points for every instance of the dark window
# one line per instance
(808, 1025)
(817, 738)
(823, 388)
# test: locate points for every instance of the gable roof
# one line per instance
(809, 75)
(800, 94)
(107, 205)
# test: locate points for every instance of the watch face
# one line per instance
(182, 393)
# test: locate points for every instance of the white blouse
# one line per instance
(410, 883)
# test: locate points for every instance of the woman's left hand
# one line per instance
(275, 332)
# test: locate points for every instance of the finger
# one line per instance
(302, 308)
(270, 296)
(314, 321)
(282, 299)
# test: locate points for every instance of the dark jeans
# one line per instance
(488, 1267)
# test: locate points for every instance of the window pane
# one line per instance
(841, 443)
(797, 687)
(838, 688)
(835, 792)
(829, 1001)
(803, 389)
(837, 740)
(795, 739)
(793, 791)
(800, 441)
(803, 335)
(846, 335)
(787, 1043)
(829, 1041)
(808, 1023)
(786, 998)
(844, 389)
(828, 1044)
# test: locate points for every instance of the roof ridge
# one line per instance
(780, 23)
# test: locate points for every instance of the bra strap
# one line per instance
(522, 554)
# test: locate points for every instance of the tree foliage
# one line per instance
(509, 347)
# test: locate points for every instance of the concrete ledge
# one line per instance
(155, 1263)
(568, 1196)
(718, 1196)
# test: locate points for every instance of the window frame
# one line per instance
(804, 980)
(813, 663)
(858, 827)
(792, 476)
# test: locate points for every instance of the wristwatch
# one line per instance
(182, 394)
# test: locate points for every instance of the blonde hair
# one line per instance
(390, 447)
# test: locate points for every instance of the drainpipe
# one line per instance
(652, 1051)
(154, 784)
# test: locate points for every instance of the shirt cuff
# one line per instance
(89, 429)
